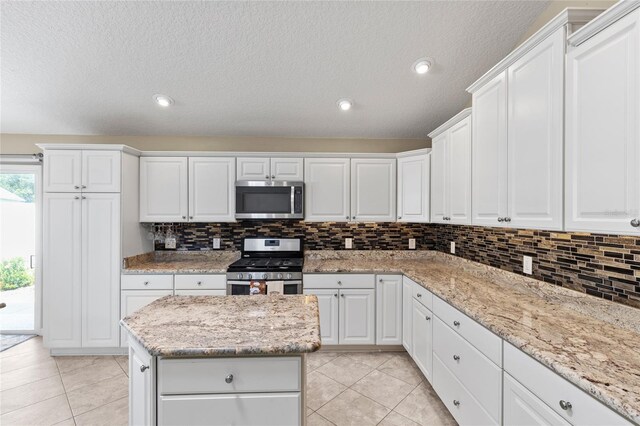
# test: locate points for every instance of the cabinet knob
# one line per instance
(229, 378)
(399, 217)
(507, 219)
(456, 357)
(500, 219)
(184, 217)
(83, 186)
(341, 295)
(335, 294)
(353, 217)
(456, 402)
(146, 283)
(456, 323)
(273, 176)
(76, 187)
(419, 294)
(190, 217)
(143, 368)
(635, 222)
(199, 283)
(347, 217)
(76, 198)
(266, 177)
(428, 318)
(380, 280)
(83, 197)
(565, 405)
(339, 282)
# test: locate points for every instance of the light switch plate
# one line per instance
(452, 248)
(412, 243)
(216, 243)
(348, 243)
(527, 265)
(170, 243)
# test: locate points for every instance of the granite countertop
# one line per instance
(593, 343)
(209, 326)
(180, 262)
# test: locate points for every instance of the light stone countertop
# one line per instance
(593, 343)
(211, 326)
(181, 262)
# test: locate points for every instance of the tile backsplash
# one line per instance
(606, 266)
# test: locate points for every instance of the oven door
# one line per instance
(239, 288)
(269, 200)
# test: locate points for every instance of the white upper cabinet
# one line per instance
(62, 170)
(70, 170)
(602, 130)
(489, 152)
(413, 188)
(451, 171)
(373, 190)
(211, 189)
(327, 189)
(289, 169)
(535, 136)
(163, 189)
(265, 168)
(100, 171)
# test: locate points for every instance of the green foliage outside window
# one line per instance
(14, 274)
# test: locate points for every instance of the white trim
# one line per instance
(453, 120)
(91, 147)
(88, 351)
(611, 15)
(268, 154)
(422, 151)
(567, 16)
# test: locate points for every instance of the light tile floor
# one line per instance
(383, 388)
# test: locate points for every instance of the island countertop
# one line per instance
(210, 326)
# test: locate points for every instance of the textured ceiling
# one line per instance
(247, 68)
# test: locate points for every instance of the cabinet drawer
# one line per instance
(201, 292)
(208, 375)
(201, 282)
(147, 282)
(422, 295)
(257, 409)
(481, 377)
(462, 406)
(339, 281)
(484, 340)
(551, 388)
(521, 407)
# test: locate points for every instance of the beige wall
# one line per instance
(25, 144)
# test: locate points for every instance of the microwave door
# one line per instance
(263, 202)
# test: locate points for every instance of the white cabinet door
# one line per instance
(289, 169)
(439, 179)
(603, 137)
(62, 170)
(100, 270)
(389, 310)
(407, 315)
(357, 317)
(132, 300)
(211, 189)
(253, 168)
(62, 270)
(164, 192)
(522, 408)
(422, 338)
(327, 189)
(373, 190)
(413, 188)
(535, 136)
(459, 172)
(101, 171)
(328, 307)
(142, 392)
(489, 153)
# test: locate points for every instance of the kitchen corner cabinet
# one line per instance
(389, 310)
(451, 171)
(142, 386)
(70, 170)
(602, 133)
(181, 189)
(264, 168)
(413, 188)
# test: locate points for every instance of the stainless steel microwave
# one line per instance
(269, 200)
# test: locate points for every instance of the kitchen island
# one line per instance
(220, 359)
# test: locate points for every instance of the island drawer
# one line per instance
(228, 375)
(481, 377)
(339, 281)
(201, 282)
(484, 340)
(556, 391)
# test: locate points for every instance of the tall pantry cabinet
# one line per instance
(90, 201)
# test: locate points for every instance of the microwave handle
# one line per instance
(293, 199)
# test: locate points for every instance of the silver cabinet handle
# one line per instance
(428, 318)
(635, 222)
(146, 283)
(500, 219)
(83, 186)
(83, 197)
(273, 176)
(341, 295)
(419, 294)
(335, 294)
(507, 219)
(184, 217)
(565, 405)
(229, 378)
(456, 402)
(76, 187)
(347, 217)
(456, 323)
(199, 283)
(380, 280)
(353, 217)
(190, 217)
(399, 217)
(339, 282)
(266, 177)
(76, 198)
(143, 368)
(456, 357)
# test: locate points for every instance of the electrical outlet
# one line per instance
(452, 247)
(216, 243)
(527, 265)
(348, 243)
(412, 243)
(170, 243)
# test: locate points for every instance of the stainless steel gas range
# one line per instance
(264, 261)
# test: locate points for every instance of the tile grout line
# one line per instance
(66, 396)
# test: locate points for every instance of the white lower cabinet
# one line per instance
(357, 317)
(328, 307)
(407, 314)
(388, 310)
(522, 408)
(142, 392)
(422, 319)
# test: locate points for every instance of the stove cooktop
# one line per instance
(266, 264)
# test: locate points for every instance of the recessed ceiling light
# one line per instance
(163, 100)
(422, 65)
(345, 104)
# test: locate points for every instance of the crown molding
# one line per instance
(611, 15)
(91, 147)
(453, 120)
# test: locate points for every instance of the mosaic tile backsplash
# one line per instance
(606, 266)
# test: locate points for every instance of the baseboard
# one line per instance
(87, 351)
(362, 348)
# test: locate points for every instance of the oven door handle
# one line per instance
(247, 282)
